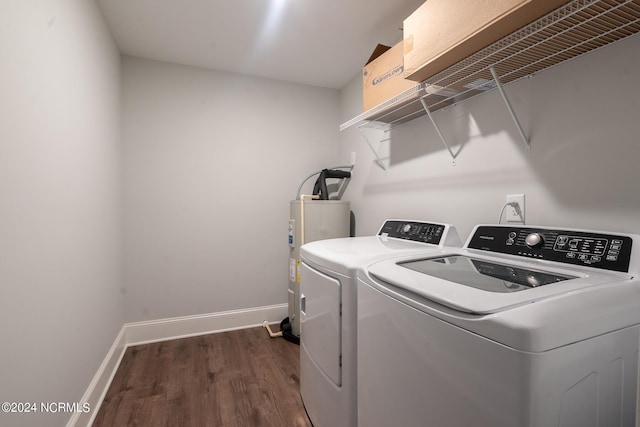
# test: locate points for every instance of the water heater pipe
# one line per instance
(272, 334)
(349, 168)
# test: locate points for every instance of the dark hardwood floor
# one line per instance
(238, 378)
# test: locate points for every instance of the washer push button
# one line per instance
(614, 250)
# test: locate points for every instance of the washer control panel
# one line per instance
(605, 251)
(412, 230)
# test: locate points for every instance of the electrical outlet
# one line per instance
(513, 213)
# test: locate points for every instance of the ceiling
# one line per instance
(316, 42)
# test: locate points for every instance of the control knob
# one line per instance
(406, 228)
(534, 240)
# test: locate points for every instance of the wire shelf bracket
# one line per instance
(379, 161)
(435, 126)
(514, 117)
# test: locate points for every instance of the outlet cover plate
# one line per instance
(511, 214)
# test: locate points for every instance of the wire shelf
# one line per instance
(574, 29)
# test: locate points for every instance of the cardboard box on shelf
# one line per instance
(382, 76)
(441, 33)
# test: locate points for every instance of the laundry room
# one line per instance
(150, 153)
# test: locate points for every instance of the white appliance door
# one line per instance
(466, 284)
(320, 320)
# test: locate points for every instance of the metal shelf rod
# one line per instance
(373, 150)
(510, 108)
(444, 141)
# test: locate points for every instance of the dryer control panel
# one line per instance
(413, 230)
(586, 248)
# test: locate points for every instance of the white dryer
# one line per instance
(328, 278)
(524, 326)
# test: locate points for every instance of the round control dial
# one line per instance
(406, 228)
(534, 240)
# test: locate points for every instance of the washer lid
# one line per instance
(483, 274)
(484, 285)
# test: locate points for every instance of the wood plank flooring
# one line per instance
(238, 378)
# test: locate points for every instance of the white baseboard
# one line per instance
(137, 333)
(101, 381)
(188, 326)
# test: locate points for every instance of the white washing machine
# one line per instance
(328, 278)
(524, 326)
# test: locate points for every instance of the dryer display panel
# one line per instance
(484, 275)
(412, 230)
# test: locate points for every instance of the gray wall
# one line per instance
(60, 202)
(583, 171)
(211, 160)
